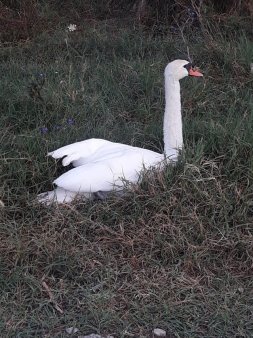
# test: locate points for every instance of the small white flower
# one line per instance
(72, 27)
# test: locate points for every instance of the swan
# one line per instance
(103, 166)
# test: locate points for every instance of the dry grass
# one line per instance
(176, 252)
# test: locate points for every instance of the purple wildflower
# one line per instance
(70, 121)
(44, 130)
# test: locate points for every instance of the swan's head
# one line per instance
(178, 69)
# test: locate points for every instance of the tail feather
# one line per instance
(61, 196)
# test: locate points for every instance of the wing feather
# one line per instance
(78, 151)
(110, 172)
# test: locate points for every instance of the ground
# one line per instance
(176, 252)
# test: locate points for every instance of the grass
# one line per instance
(177, 252)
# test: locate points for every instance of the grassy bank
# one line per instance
(177, 252)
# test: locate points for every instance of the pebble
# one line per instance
(71, 330)
(94, 335)
(159, 333)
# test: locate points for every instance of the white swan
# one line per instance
(102, 166)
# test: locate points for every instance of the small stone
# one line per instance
(94, 335)
(251, 68)
(159, 333)
(71, 330)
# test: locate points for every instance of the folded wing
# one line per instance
(109, 169)
(78, 153)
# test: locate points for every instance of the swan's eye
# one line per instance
(188, 66)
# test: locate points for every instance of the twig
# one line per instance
(51, 297)
(183, 38)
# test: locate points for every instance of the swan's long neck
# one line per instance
(172, 127)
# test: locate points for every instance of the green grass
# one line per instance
(176, 253)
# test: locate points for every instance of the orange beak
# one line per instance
(193, 72)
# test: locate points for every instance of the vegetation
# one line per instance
(176, 252)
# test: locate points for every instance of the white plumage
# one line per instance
(101, 165)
